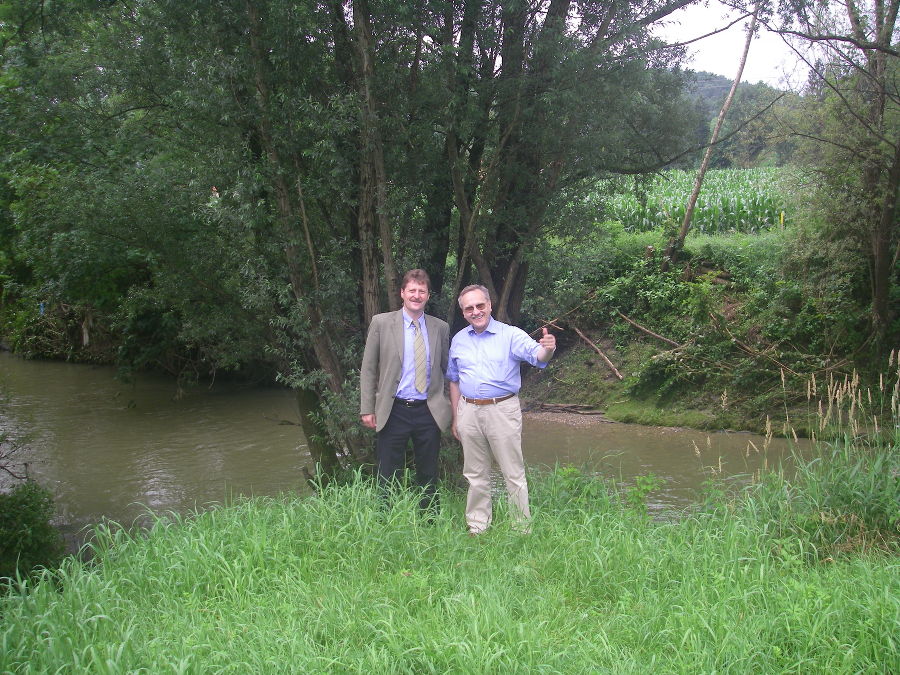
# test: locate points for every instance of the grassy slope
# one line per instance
(336, 584)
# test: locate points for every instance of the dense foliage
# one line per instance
(28, 539)
(240, 187)
(747, 315)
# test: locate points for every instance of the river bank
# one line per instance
(609, 387)
(590, 370)
(115, 449)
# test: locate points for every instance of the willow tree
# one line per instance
(262, 165)
(543, 95)
(213, 132)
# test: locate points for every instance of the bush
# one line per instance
(750, 260)
(27, 539)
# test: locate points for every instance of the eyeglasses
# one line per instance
(477, 307)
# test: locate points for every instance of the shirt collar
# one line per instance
(407, 319)
(490, 328)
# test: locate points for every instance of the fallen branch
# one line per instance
(749, 350)
(648, 331)
(596, 348)
(551, 322)
(576, 408)
(600, 352)
(548, 323)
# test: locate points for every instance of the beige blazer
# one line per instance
(382, 364)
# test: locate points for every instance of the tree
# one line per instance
(199, 156)
(543, 95)
(250, 171)
(854, 121)
(677, 243)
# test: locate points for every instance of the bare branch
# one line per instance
(648, 331)
(864, 45)
(609, 364)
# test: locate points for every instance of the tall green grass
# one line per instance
(731, 200)
(845, 496)
(336, 583)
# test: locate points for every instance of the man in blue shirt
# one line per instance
(485, 378)
(401, 384)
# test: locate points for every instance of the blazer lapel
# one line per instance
(397, 332)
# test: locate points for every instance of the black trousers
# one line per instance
(410, 423)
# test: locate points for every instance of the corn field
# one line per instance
(732, 200)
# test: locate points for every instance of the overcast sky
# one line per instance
(769, 59)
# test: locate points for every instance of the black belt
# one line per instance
(410, 402)
(487, 401)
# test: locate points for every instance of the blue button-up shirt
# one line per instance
(407, 387)
(487, 364)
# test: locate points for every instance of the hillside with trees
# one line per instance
(754, 134)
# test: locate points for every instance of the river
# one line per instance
(115, 450)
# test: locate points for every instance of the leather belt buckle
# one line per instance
(411, 402)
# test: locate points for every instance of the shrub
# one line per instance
(27, 538)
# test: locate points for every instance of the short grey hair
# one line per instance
(473, 287)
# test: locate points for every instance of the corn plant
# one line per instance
(732, 200)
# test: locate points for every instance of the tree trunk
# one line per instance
(438, 216)
(373, 177)
(361, 226)
(460, 79)
(883, 256)
(309, 412)
(301, 277)
(875, 179)
(366, 229)
(510, 303)
(528, 172)
(675, 245)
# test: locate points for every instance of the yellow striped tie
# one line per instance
(419, 356)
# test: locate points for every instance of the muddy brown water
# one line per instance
(115, 450)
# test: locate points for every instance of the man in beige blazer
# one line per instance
(402, 386)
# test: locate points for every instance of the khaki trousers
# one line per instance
(486, 432)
